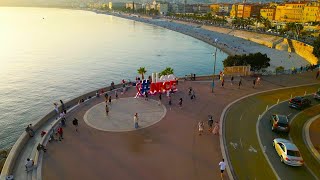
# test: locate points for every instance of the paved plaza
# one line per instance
(120, 117)
(169, 149)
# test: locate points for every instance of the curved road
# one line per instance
(266, 137)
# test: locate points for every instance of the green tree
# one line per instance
(142, 71)
(316, 47)
(256, 61)
(167, 71)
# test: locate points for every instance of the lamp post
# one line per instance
(214, 69)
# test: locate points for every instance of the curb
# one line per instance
(306, 137)
(223, 144)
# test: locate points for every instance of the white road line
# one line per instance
(241, 141)
(241, 117)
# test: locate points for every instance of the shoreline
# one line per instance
(229, 44)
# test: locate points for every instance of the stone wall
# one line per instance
(305, 51)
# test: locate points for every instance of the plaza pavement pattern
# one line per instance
(169, 149)
(120, 117)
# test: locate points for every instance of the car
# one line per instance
(299, 102)
(316, 95)
(279, 123)
(288, 152)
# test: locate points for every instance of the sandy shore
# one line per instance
(226, 41)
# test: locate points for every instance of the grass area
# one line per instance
(296, 135)
(240, 128)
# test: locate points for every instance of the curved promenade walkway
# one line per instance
(169, 149)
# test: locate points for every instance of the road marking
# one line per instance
(264, 148)
(289, 115)
(234, 145)
(241, 143)
(251, 149)
(241, 117)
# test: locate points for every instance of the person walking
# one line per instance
(63, 106)
(318, 72)
(170, 102)
(116, 94)
(60, 132)
(29, 164)
(146, 97)
(180, 102)
(215, 130)
(107, 110)
(254, 83)
(159, 103)
(109, 100)
(222, 166)
(222, 83)
(56, 108)
(106, 97)
(210, 122)
(201, 127)
(232, 80)
(136, 121)
(75, 123)
(240, 83)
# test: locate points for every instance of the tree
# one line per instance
(167, 71)
(256, 61)
(316, 47)
(142, 71)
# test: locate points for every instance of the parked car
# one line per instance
(288, 152)
(299, 102)
(279, 123)
(316, 95)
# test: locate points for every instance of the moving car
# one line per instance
(288, 152)
(299, 102)
(279, 123)
(316, 95)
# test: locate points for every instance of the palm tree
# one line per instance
(167, 71)
(142, 71)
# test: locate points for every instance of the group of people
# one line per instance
(212, 127)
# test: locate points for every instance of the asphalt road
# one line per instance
(267, 136)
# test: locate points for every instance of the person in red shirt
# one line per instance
(60, 132)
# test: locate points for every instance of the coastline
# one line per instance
(226, 42)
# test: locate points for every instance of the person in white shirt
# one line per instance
(29, 164)
(222, 165)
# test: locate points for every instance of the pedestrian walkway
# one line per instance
(120, 116)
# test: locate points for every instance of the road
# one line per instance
(266, 137)
(241, 137)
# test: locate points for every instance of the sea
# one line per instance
(48, 54)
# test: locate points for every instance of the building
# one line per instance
(162, 8)
(133, 5)
(290, 12)
(222, 9)
(268, 12)
(214, 8)
(201, 8)
(311, 12)
(245, 10)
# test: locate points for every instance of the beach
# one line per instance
(232, 42)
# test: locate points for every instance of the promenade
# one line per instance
(169, 149)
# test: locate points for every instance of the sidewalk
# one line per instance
(169, 149)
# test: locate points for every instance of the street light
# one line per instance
(214, 69)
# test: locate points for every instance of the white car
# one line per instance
(288, 152)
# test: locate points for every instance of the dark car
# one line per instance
(299, 102)
(279, 123)
(316, 95)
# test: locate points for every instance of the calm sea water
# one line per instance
(52, 54)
